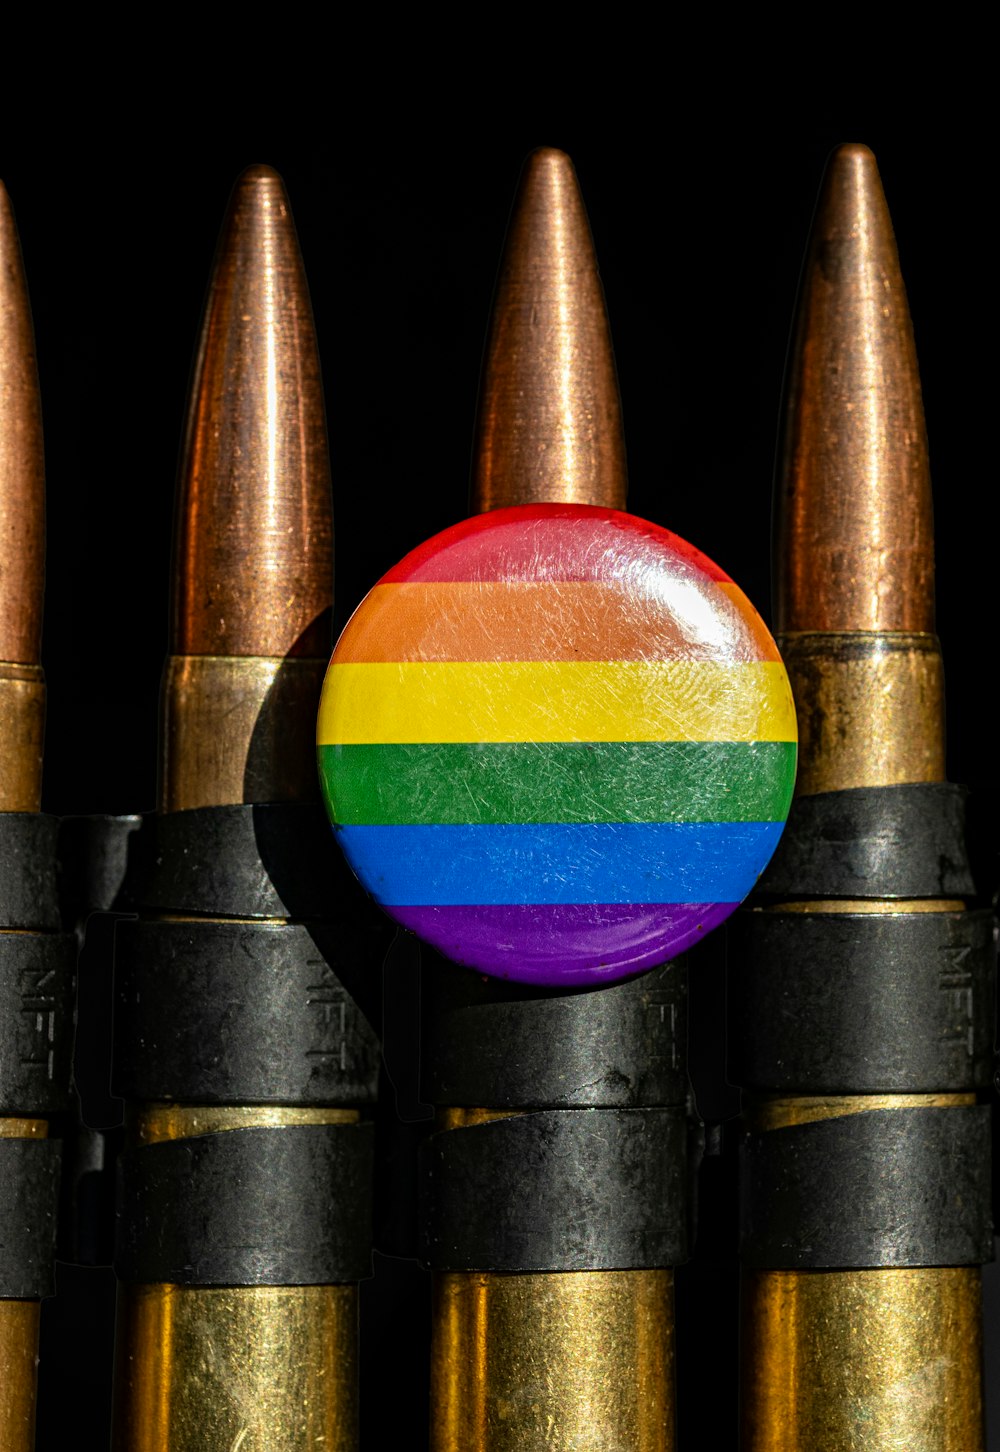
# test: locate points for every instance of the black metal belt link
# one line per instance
(247, 1012)
(857, 1003)
(873, 842)
(92, 857)
(241, 1013)
(881, 1187)
(29, 1188)
(507, 1045)
(289, 1205)
(37, 977)
(28, 888)
(558, 1190)
(247, 861)
(37, 983)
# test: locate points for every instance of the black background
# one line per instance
(700, 217)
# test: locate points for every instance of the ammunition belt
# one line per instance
(858, 1003)
(93, 854)
(37, 978)
(249, 1012)
(248, 1207)
(508, 1045)
(28, 890)
(37, 982)
(277, 860)
(881, 1187)
(241, 1013)
(558, 1190)
(854, 1003)
(29, 1191)
(873, 842)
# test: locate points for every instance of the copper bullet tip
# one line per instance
(254, 556)
(22, 473)
(855, 528)
(549, 425)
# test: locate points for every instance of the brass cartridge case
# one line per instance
(859, 1360)
(22, 708)
(262, 1368)
(580, 1360)
(254, 1368)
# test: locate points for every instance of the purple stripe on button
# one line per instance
(563, 944)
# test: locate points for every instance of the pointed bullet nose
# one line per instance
(254, 563)
(22, 474)
(855, 529)
(549, 424)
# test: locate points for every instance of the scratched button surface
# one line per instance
(558, 743)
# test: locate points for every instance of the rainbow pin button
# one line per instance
(558, 743)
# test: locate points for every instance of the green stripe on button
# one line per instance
(555, 781)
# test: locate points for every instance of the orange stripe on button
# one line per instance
(467, 620)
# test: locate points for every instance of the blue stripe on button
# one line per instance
(560, 862)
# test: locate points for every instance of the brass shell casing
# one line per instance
(19, 1327)
(19, 1324)
(258, 1368)
(247, 1368)
(583, 1360)
(22, 731)
(238, 729)
(261, 1368)
(862, 1360)
(858, 1360)
(870, 708)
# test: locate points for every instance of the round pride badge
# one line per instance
(557, 743)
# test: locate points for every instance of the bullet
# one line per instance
(854, 580)
(259, 1366)
(22, 535)
(253, 581)
(582, 1358)
(887, 1356)
(22, 711)
(549, 427)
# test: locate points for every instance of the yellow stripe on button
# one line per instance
(427, 701)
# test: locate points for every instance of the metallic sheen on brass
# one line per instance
(870, 708)
(22, 731)
(270, 1368)
(19, 1323)
(764, 1113)
(22, 535)
(550, 424)
(255, 1369)
(238, 729)
(862, 1361)
(871, 1360)
(155, 1123)
(581, 1361)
